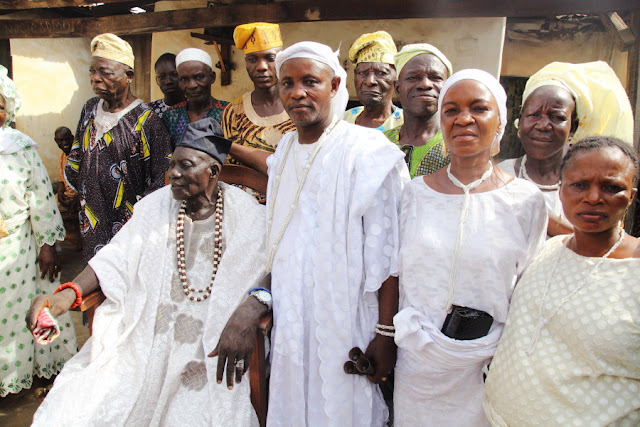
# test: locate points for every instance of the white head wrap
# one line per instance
(321, 53)
(12, 98)
(193, 54)
(494, 87)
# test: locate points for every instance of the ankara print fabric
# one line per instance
(176, 118)
(424, 159)
(159, 107)
(112, 173)
(242, 125)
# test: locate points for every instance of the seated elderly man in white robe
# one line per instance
(173, 276)
(332, 233)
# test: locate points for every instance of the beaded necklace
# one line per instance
(523, 174)
(453, 275)
(544, 320)
(217, 250)
(294, 202)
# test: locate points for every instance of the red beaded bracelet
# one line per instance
(76, 290)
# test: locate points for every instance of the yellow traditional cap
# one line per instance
(410, 51)
(257, 36)
(602, 104)
(110, 46)
(373, 47)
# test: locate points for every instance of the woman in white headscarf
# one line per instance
(459, 264)
(31, 225)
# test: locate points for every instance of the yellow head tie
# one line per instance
(602, 104)
(257, 36)
(373, 47)
(112, 47)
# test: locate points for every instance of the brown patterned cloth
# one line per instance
(242, 125)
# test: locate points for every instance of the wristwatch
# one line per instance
(263, 296)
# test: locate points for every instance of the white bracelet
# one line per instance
(385, 327)
(385, 333)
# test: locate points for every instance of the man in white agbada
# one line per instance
(146, 363)
(332, 200)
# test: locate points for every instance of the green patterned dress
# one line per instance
(31, 216)
(424, 159)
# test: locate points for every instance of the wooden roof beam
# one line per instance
(625, 39)
(41, 4)
(301, 11)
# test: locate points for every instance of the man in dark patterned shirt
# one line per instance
(121, 149)
(195, 77)
(167, 79)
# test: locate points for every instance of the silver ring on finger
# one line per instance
(240, 364)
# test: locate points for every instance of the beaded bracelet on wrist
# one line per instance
(76, 289)
(385, 327)
(385, 333)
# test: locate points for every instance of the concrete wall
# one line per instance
(522, 58)
(52, 76)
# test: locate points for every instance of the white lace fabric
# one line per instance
(585, 369)
(145, 363)
(105, 121)
(503, 231)
(335, 253)
(551, 198)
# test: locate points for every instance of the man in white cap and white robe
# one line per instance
(332, 235)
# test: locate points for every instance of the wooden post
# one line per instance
(633, 90)
(141, 85)
(5, 55)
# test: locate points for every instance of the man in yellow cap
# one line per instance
(121, 148)
(374, 77)
(422, 71)
(257, 119)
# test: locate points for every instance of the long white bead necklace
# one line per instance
(294, 202)
(217, 250)
(523, 174)
(453, 275)
(542, 320)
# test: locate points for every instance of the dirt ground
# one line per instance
(16, 410)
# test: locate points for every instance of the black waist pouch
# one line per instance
(464, 323)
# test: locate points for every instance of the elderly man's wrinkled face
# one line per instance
(109, 79)
(306, 89)
(192, 173)
(374, 82)
(167, 77)
(261, 67)
(419, 85)
(3, 112)
(195, 79)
